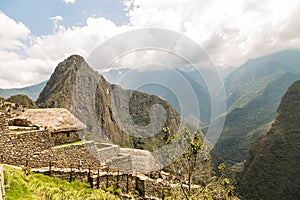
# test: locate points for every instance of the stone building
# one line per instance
(62, 125)
(40, 136)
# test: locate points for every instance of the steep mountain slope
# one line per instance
(272, 168)
(169, 78)
(76, 86)
(31, 91)
(22, 100)
(254, 91)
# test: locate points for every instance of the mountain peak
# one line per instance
(75, 57)
(95, 102)
(72, 62)
(62, 80)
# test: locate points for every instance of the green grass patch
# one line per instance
(70, 144)
(38, 186)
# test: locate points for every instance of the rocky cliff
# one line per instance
(272, 168)
(76, 86)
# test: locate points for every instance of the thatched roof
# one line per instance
(54, 119)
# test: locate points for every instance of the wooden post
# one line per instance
(127, 186)
(2, 160)
(90, 179)
(50, 169)
(89, 174)
(98, 179)
(118, 178)
(163, 192)
(26, 163)
(107, 173)
(71, 174)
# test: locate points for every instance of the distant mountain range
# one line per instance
(31, 91)
(254, 91)
(272, 167)
(171, 85)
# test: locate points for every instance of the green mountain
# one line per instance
(32, 91)
(109, 111)
(22, 100)
(254, 91)
(171, 81)
(271, 170)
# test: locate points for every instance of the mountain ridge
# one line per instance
(32, 91)
(74, 85)
(254, 92)
(271, 170)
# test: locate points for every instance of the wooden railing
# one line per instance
(2, 192)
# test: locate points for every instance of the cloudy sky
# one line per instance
(36, 35)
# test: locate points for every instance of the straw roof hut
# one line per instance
(53, 119)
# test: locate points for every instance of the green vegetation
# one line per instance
(254, 92)
(38, 186)
(272, 168)
(195, 176)
(70, 144)
(22, 100)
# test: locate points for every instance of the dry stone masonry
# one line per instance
(32, 139)
(51, 145)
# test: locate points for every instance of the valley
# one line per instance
(260, 130)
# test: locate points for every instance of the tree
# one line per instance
(195, 176)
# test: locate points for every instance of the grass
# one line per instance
(38, 186)
(70, 144)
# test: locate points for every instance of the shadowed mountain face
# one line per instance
(272, 168)
(22, 100)
(254, 91)
(109, 111)
(172, 78)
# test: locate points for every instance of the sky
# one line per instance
(35, 35)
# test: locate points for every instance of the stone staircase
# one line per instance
(110, 155)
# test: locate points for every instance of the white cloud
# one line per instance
(12, 33)
(231, 31)
(55, 20)
(41, 56)
(69, 1)
(18, 71)
(80, 40)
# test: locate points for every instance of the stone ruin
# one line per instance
(40, 136)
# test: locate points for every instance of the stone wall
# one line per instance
(142, 161)
(3, 123)
(65, 137)
(65, 156)
(2, 192)
(90, 155)
(107, 151)
(11, 109)
(128, 183)
(33, 146)
(37, 149)
(121, 162)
